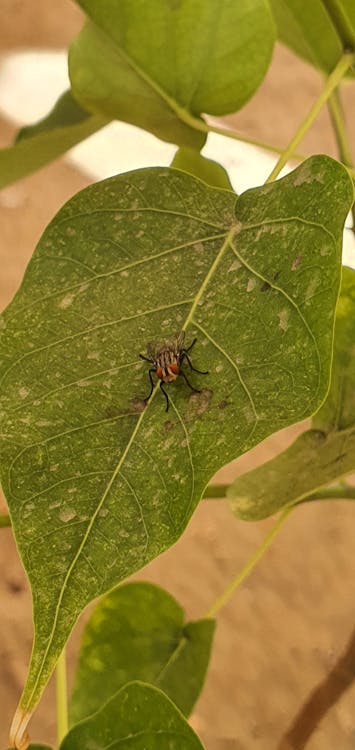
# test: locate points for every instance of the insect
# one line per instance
(167, 358)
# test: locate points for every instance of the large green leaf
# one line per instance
(317, 30)
(152, 63)
(138, 717)
(320, 455)
(37, 145)
(137, 632)
(97, 485)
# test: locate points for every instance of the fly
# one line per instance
(167, 358)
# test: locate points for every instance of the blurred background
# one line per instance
(283, 632)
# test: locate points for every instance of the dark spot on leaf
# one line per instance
(265, 287)
(168, 425)
(296, 262)
(276, 275)
(222, 404)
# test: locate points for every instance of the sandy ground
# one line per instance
(283, 631)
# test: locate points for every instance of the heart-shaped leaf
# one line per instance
(138, 717)
(320, 455)
(137, 632)
(98, 485)
(160, 64)
(37, 145)
(318, 31)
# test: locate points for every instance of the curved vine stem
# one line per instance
(345, 62)
(249, 567)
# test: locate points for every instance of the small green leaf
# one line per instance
(137, 632)
(97, 485)
(138, 717)
(150, 68)
(311, 31)
(37, 145)
(320, 455)
(190, 161)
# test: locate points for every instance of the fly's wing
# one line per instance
(153, 349)
(176, 343)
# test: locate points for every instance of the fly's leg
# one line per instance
(188, 383)
(165, 394)
(190, 347)
(146, 359)
(186, 356)
(151, 384)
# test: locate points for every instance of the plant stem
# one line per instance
(335, 492)
(205, 127)
(62, 702)
(339, 127)
(250, 565)
(340, 491)
(213, 491)
(5, 520)
(331, 83)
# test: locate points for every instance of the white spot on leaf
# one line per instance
(283, 317)
(66, 301)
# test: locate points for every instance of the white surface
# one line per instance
(30, 83)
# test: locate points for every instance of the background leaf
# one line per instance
(190, 161)
(320, 455)
(97, 485)
(318, 31)
(37, 145)
(150, 63)
(138, 717)
(137, 632)
(308, 30)
(342, 13)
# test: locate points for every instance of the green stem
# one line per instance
(334, 492)
(204, 127)
(331, 83)
(339, 127)
(341, 491)
(250, 565)
(62, 700)
(215, 491)
(5, 520)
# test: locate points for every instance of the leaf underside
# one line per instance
(317, 31)
(320, 455)
(37, 145)
(98, 485)
(137, 632)
(150, 67)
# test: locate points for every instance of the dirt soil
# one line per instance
(285, 628)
